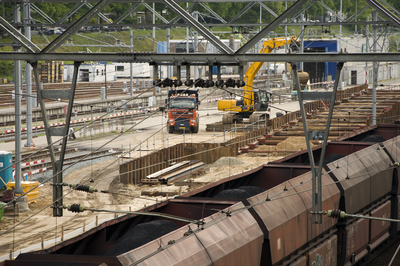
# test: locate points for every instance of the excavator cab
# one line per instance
(261, 100)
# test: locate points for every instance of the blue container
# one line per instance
(5, 161)
(214, 70)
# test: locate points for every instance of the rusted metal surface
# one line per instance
(359, 172)
(356, 240)
(330, 201)
(266, 176)
(332, 147)
(225, 240)
(393, 147)
(283, 216)
(59, 259)
(379, 229)
(325, 253)
(302, 261)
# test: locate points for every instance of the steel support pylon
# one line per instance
(316, 172)
(62, 132)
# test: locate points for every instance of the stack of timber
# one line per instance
(178, 171)
(51, 72)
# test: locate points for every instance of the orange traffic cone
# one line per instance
(32, 146)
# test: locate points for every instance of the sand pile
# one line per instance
(227, 161)
(265, 148)
(293, 144)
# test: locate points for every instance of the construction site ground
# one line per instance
(25, 229)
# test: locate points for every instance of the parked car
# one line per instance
(49, 32)
(82, 30)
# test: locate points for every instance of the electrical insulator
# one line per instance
(199, 83)
(230, 83)
(76, 208)
(209, 84)
(189, 82)
(167, 82)
(240, 83)
(177, 83)
(219, 83)
(84, 188)
(156, 82)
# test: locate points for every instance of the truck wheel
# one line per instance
(171, 129)
(195, 129)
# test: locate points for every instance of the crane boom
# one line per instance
(253, 100)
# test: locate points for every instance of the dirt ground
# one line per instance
(31, 226)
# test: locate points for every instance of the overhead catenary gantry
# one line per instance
(227, 56)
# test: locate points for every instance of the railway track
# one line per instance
(119, 119)
(44, 163)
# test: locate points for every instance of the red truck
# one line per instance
(183, 108)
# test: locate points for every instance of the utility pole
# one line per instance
(105, 80)
(154, 28)
(18, 92)
(168, 51)
(28, 79)
(131, 78)
(301, 43)
(374, 70)
(195, 46)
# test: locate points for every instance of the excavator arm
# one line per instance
(268, 46)
(247, 104)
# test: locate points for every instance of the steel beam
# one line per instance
(270, 27)
(199, 27)
(191, 58)
(74, 27)
(18, 96)
(250, 25)
(155, 1)
(39, 89)
(384, 11)
(70, 12)
(388, 5)
(101, 15)
(129, 11)
(58, 202)
(44, 15)
(268, 9)
(213, 13)
(244, 10)
(18, 36)
(176, 19)
(330, 10)
(57, 165)
(155, 12)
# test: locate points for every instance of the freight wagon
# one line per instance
(259, 217)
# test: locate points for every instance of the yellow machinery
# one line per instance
(255, 100)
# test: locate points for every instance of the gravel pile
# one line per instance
(374, 138)
(252, 190)
(140, 235)
(223, 161)
(233, 194)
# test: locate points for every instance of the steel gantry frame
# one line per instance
(226, 56)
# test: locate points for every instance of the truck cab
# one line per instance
(183, 110)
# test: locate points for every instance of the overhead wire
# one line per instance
(82, 182)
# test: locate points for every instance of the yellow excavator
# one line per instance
(254, 102)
